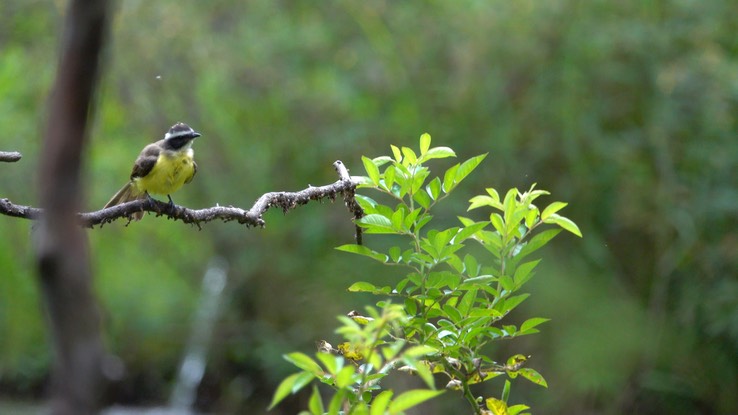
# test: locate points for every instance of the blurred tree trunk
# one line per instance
(62, 248)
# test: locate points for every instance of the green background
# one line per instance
(625, 109)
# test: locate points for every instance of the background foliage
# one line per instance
(626, 109)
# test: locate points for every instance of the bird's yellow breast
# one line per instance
(170, 172)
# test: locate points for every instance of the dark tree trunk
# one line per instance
(63, 255)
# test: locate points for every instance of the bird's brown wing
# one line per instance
(194, 165)
(145, 161)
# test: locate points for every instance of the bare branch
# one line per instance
(287, 201)
(10, 156)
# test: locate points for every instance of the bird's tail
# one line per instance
(127, 193)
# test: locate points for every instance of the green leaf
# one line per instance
(479, 201)
(467, 167)
(533, 376)
(434, 188)
(482, 279)
(533, 322)
(363, 250)
(516, 409)
(344, 377)
(396, 152)
(376, 223)
(467, 301)
(371, 169)
(531, 216)
(336, 402)
(366, 203)
(397, 219)
(448, 178)
(380, 402)
(493, 193)
(455, 262)
(411, 217)
(425, 141)
(395, 253)
(468, 230)
(419, 351)
(537, 242)
(410, 157)
(381, 160)
(524, 273)
(439, 153)
(440, 279)
(452, 313)
(466, 221)
(425, 373)
(315, 404)
(496, 406)
(389, 177)
(422, 198)
(366, 287)
(411, 307)
(362, 287)
(507, 283)
(422, 222)
(363, 181)
(552, 208)
(471, 265)
(506, 392)
(331, 362)
(404, 185)
(286, 387)
(565, 223)
(304, 362)
(498, 223)
(412, 398)
(508, 204)
(511, 302)
(419, 178)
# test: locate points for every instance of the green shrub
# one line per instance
(449, 307)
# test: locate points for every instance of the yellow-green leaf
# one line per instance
(286, 387)
(425, 141)
(410, 156)
(380, 403)
(533, 376)
(396, 152)
(533, 322)
(371, 169)
(439, 153)
(412, 398)
(552, 208)
(304, 362)
(497, 406)
(565, 223)
(315, 404)
(363, 250)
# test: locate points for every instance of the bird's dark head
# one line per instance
(179, 135)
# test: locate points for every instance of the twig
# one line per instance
(10, 156)
(344, 187)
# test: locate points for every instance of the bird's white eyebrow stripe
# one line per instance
(178, 133)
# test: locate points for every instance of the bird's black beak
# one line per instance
(195, 134)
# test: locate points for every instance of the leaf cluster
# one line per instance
(440, 318)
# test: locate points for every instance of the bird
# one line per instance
(162, 168)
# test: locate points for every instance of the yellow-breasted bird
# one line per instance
(161, 168)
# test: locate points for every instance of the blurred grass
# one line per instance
(20, 408)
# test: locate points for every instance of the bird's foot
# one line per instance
(171, 204)
(153, 202)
